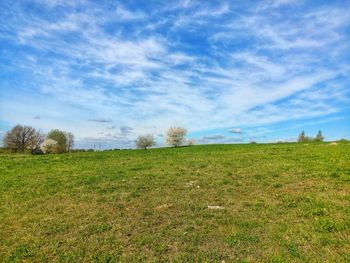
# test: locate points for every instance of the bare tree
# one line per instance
(21, 138)
(319, 137)
(144, 141)
(176, 136)
(70, 140)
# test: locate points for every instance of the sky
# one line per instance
(227, 71)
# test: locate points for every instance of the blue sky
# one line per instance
(228, 71)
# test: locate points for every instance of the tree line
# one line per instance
(176, 136)
(304, 138)
(27, 139)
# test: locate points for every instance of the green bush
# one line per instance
(60, 138)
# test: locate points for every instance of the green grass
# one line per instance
(283, 203)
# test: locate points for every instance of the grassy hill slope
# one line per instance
(277, 203)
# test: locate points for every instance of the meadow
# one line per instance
(214, 203)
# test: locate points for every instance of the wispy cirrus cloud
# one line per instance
(200, 65)
(214, 137)
(125, 14)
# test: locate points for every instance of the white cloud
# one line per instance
(276, 3)
(150, 79)
(56, 3)
(125, 14)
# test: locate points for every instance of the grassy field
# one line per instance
(279, 203)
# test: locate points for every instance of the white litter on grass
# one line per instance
(217, 207)
(192, 184)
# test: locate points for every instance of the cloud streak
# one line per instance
(236, 130)
(100, 120)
